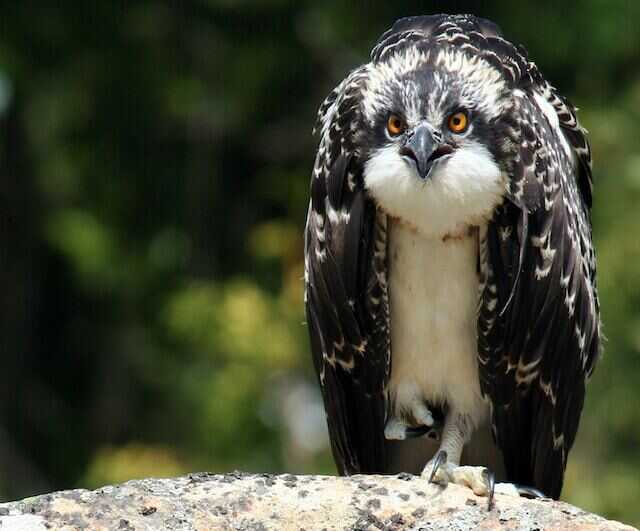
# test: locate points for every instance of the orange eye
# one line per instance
(458, 122)
(395, 125)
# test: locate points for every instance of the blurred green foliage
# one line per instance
(154, 162)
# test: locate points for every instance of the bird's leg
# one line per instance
(445, 466)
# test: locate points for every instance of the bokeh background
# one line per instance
(154, 164)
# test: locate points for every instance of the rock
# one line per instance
(262, 502)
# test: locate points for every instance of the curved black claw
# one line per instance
(411, 432)
(529, 492)
(433, 431)
(440, 459)
(490, 478)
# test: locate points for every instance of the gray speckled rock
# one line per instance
(261, 502)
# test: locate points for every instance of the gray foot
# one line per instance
(479, 479)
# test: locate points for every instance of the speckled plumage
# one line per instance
(538, 328)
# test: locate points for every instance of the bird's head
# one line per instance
(435, 146)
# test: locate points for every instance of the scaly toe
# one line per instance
(422, 414)
(476, 478)
(436, 469)
(507, 488)
(395, 430)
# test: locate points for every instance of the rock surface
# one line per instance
(261, 502)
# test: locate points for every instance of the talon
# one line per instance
(490, 478)
(529, 492)
(440, 459)
(411, 432)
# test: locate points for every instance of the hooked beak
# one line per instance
(423, 147)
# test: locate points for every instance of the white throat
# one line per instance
(462, 190)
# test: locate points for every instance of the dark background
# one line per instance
(154, 164)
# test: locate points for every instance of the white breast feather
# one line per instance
(433, 298)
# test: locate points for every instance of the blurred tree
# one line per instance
(154, 163)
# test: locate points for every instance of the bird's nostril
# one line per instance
(408, 152)
(440, 151)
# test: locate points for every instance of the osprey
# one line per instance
(450, 282)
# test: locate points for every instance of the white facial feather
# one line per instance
(462, 190)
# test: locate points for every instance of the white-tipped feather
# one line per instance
(552, 116)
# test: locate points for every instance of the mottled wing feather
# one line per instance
(345, 288)
(538, 323)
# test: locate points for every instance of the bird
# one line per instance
(449, 270)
